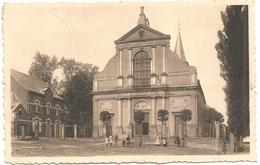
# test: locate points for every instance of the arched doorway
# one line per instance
(106, 118)
(142, 128)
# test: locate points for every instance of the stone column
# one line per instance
(164, 74)
(130, 61)
(153, 75)
(120, 62)
(153, 118)
(164, 60)
(120, 77)
(129, 116)
(153, 112)
(130, 74)
(119, 117)
(75, 131)
(153, 60)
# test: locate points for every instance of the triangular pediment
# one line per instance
(142, 33)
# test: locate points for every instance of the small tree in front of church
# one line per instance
(138, 118)
(163, 116)
(186, 115)
(104, 116)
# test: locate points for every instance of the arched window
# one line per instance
(142, 69)
(37, 105)
(57, 107)
(48, 106)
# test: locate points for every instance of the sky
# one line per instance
(87, 33)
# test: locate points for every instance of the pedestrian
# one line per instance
(123, 142)
(110, 140)
(106, 141)
(157, 141)
(116, 139)
(140, 141)
(177, 141)
(128, 140)
(164, 142)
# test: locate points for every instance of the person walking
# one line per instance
(106, 141)
(123, 142)
(116, 139)
(110, 140)
(177, 141)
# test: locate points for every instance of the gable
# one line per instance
(142, 33)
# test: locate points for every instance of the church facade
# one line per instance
(145, 74)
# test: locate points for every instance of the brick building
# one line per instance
(145, 74)
(36, 109)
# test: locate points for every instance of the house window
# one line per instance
(48, 106)
(37, 105)
(57, 107)
(142, 69)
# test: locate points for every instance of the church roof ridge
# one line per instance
(146, 28)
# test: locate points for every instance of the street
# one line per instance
(92, 147)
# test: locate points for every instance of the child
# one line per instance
(106, 141)
(157, 141)
(110, 140)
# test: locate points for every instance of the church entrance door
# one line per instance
(179, 126)
(143, 128)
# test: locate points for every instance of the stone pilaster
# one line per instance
(153, 118)
(119, 118)
(164, 60)
(164, 71)
(120, 62)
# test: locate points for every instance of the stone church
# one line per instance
(145, 74)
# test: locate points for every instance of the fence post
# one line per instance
(62, 132)
(75, 131)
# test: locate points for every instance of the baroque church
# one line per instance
(145, 74)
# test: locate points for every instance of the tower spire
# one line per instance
(178, 46)
(143, 20)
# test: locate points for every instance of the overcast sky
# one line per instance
(87, 33)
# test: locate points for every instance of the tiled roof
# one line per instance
(31, 83)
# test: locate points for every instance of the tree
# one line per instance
(43, 67)
(163, 115)
(104, 116)
(232, 52)
(186, 115)
(219, 117)
(210, 117)
(77, 87)
(138, 118)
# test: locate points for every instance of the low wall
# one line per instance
(203, 142)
